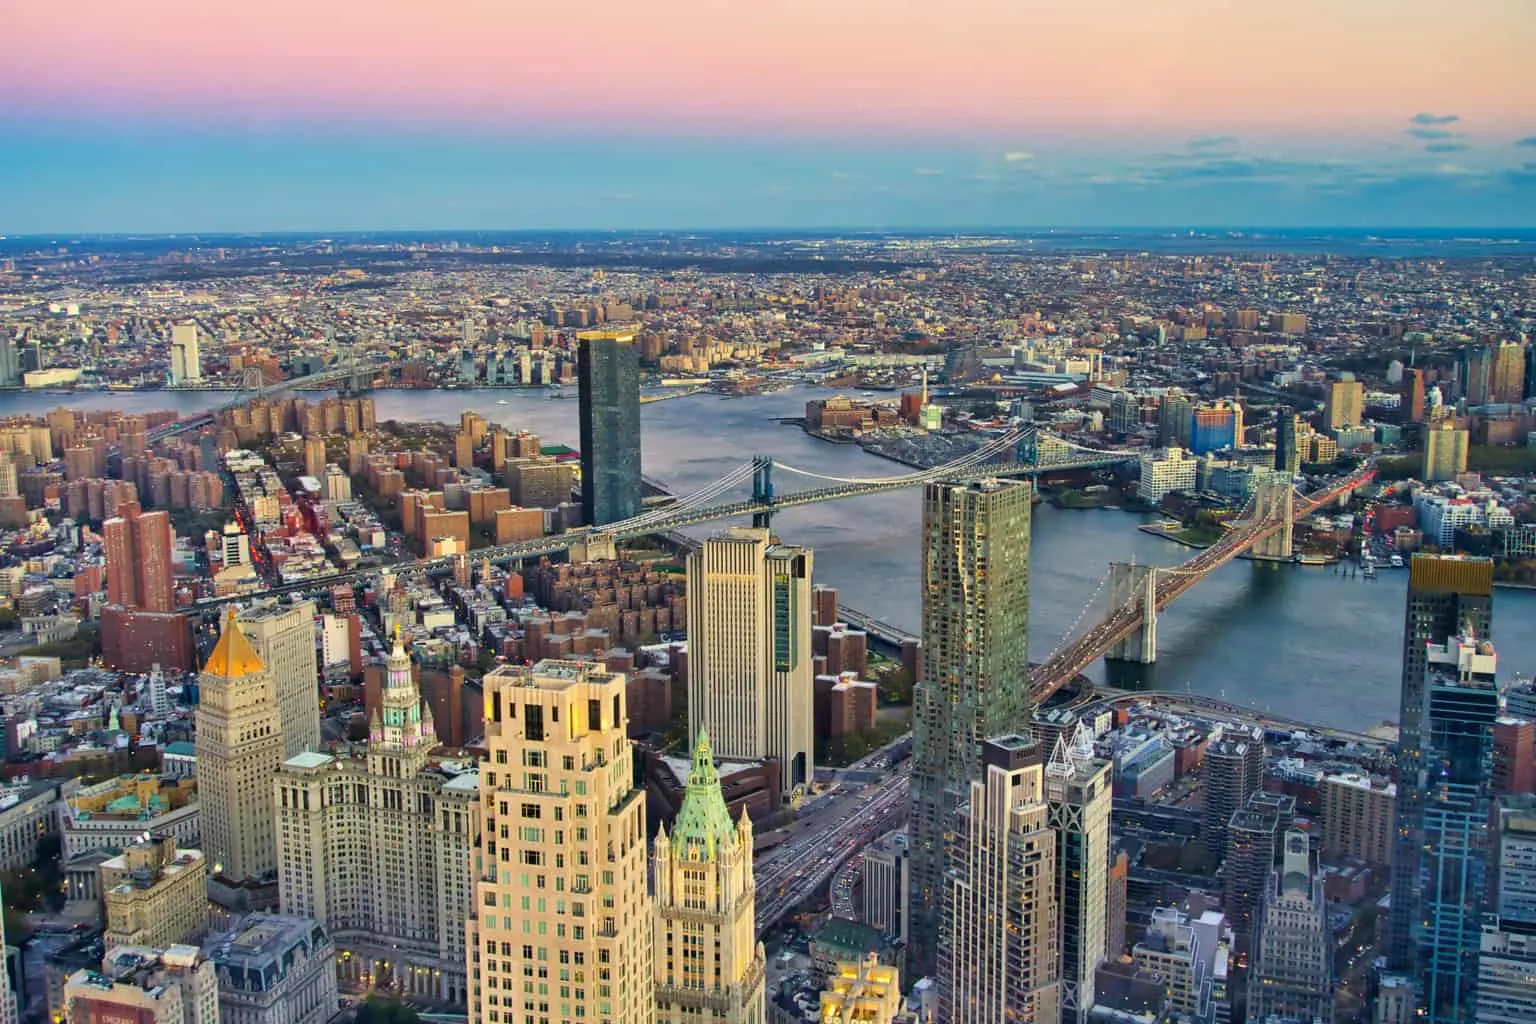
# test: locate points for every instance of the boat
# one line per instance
(1312, 559)
(501, 401)
(1397, 561)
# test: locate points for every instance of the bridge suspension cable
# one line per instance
(1088, 605)
(696, 499)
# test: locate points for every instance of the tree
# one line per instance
(387, 1010)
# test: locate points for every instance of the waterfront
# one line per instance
(1302, 642)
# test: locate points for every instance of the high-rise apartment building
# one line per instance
(10, 361)
(1506, 970)
(560, 888)
(377, 848)
(1214, 427)
(1474, 369)
(1445, 452)
(1359, 818)
(239, 746)
(1345, 404)
(283, 637)
(886, 883)
(1232, 771)
(750, 665)
(1292, 972)
(608, 372)
(1413, 396)
(709, 963)
(1079, 792)
(1173, 419)
(314, 456)
(138, 547)
(1463, 703)
(1287, 444)
(999, 956)
(186, 363)
(975, 670)
(1508, 373)
(1445, 594)
(1250, 854)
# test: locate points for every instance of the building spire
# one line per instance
(703, 824)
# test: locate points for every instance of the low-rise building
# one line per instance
(1359, 818)
(274, 970)
(116, 813)
(155, 894)
(145, 985)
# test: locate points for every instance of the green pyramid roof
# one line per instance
(703, 822)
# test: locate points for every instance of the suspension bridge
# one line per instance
(1137, 593)
(749, 490)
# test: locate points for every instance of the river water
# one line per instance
(1299, 641)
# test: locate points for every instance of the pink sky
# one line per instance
(1096, 68)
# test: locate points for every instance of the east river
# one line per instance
(1299, 641)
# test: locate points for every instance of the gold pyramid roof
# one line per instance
(233, 656)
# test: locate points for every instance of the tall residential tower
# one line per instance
(975, 670)
(608, 372)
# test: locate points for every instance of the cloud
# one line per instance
(1431, 133)
(1211, 142)
(1017, 156)
(1422, 118)
(927, 172)
(1446, 147)
(1529, 140)
(843, 176)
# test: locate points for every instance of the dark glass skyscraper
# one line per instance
(975, 670)
(1287, 454)
(608, 365)
(1445, 595)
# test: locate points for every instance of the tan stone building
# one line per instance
(709, 963)
(239, 746)
(155, 894)
(563, 926)
(1359, 818)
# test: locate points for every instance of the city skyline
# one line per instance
(874, 114)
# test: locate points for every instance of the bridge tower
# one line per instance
(1132, 584)
(1275, 499)
(252, 379)
(1027, 451)
(762, 491)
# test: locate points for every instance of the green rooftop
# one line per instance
(703, 823)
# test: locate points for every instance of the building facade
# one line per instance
(1079, 791)
(560, 886)
(274, 969)
(1445, 594)
(376, 847)
(750, 661)
(155, 895)
(146, 985)
(975, 669)
(1292, 972)
(708, 961)
(608, 371)
(284, 639)
(1445, 452)
(999, 955)
(1506, 970)
(239, 747)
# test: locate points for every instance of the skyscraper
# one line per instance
(999, 958)
(1506, 970)
(1345, 404)
(975, 669)
(1475, 370)
(1287, 449)
(561, 877)
(708, 960)
(1079, 792)
(186, 364)
(1445, 594)
(1232, 770)
(284, 639)
(1292, 975)
(1413, 395)
(377, 848)
(239, 746)
(608, 370)
(138, 547)
(1445, 452)
(1508, 373)
(750, 678)
(10, 361)
(1457, 763)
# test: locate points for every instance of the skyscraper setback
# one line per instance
(975, 669)
(608, 370)
(750, 678)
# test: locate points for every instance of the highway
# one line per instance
(826, 834)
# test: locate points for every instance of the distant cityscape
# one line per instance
(336, 686)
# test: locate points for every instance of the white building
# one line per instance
(1164, 471)
(186, 364)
